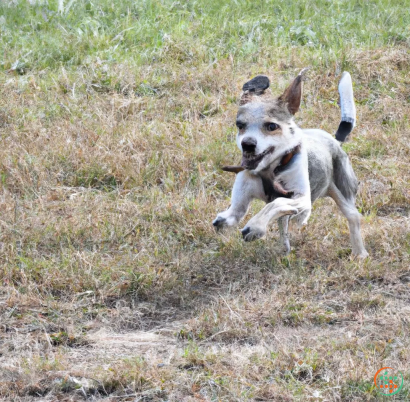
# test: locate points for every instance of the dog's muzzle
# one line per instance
(251, 161)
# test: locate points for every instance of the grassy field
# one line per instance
(115, 117)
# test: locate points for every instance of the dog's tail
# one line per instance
(348, 120)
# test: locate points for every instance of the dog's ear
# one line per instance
(255, 87)
(293, 93)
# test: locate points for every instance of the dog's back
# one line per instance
(328, 163)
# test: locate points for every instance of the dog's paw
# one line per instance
(219, 223)
(361, 256)
(285, 250)
(250, 234)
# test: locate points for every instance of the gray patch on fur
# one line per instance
(328, 163)
(320, 176)
(344, 177)
(278, 111)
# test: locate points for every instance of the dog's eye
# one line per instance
(240, 125)
(271, 126)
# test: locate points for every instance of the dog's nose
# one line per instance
(248, 145)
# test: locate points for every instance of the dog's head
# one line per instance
(266, 130)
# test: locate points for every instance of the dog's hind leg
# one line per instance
(283, 224)
(353, 216)
(246, 188)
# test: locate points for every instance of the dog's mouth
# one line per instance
(251, 161)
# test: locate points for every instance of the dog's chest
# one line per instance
(273, 187)
(272, 178)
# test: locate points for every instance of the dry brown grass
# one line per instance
(114, 284)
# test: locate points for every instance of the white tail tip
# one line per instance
(348, 107)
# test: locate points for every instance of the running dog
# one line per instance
(289, 167)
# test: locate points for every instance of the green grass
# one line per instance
(115, 117)
(143, 33)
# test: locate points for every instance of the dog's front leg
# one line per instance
(256, 227)
(246, 187)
